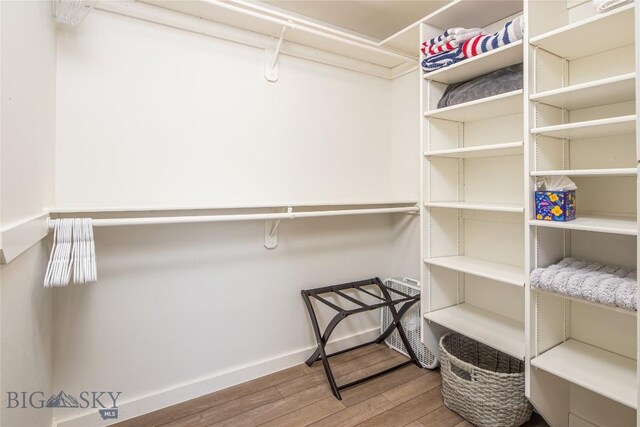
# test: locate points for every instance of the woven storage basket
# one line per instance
(481, 384)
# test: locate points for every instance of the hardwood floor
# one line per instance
(300, 396)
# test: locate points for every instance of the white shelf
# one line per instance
(505, 273)
(599, 92)
(587, 302)
(621, 125)
(599, 33)
(600, 371)
(495, 207)
(499, 332)
(494, 150)
(588, 172)
(472, 13)
(405, 40)
(493, 106)
(260, 19)
(478, 65)
(596, 223)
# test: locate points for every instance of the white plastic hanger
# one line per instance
(73, 253)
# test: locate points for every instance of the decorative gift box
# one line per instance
(555, 205)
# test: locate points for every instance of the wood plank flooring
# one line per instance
(300, 396)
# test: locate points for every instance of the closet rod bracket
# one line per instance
(271, 229)
(272, 54)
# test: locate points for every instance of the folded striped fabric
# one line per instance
(442, 38)
(511, 32)
(449, 40)
(435, 62)
(433, 50)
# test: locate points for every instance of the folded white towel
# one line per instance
(592, 281)
(458, 33)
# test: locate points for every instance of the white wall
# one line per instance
(184, 303)
(26, 317)
(149, 115)
(28, 108)
(27, 133)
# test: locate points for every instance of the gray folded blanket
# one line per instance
(589, 280)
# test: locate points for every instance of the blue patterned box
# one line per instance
(555, 205)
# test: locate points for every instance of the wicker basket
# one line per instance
(482, 384)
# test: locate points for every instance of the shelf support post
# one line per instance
(271, 58)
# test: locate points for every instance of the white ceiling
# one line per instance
(376, 19)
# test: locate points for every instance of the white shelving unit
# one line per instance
(595, 223)
(593, 304)
(500, 332)
(500, 272)
(576, 117)
(470, 14)
(624, 125)
(589, 36)
(598, 370)
(472, 284)
(492, 150)
(582, 122)
(498, 105)
(478, 65)
(492, 207)
(609, 90)
(587, 172)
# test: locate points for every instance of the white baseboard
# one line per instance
(190, 390)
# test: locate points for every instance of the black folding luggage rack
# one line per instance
(387, 301)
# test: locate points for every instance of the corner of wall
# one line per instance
(405, 172)
(27, 135)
